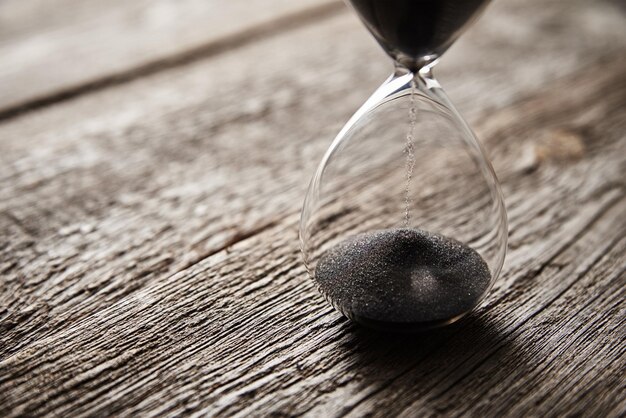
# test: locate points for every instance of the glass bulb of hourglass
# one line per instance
(403, 227)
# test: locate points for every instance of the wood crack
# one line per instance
(612, 244)
(228, 43)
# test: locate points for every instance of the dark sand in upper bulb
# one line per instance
(416, 28)
(402, 279)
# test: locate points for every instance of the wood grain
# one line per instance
(151, 264)
(57, 50)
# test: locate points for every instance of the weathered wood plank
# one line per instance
(55, 50)
(123, 223)
(112, 306)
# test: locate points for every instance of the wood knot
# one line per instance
(560, 144)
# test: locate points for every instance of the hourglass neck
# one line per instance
(420, 77)
(404, 64)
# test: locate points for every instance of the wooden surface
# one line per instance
(52, 50)
(149, 208)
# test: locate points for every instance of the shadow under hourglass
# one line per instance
(430, 360)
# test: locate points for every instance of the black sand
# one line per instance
(402, 279)
(416, 28)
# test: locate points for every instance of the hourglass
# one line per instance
(403, 227)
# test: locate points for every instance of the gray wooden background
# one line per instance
(153, 160)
